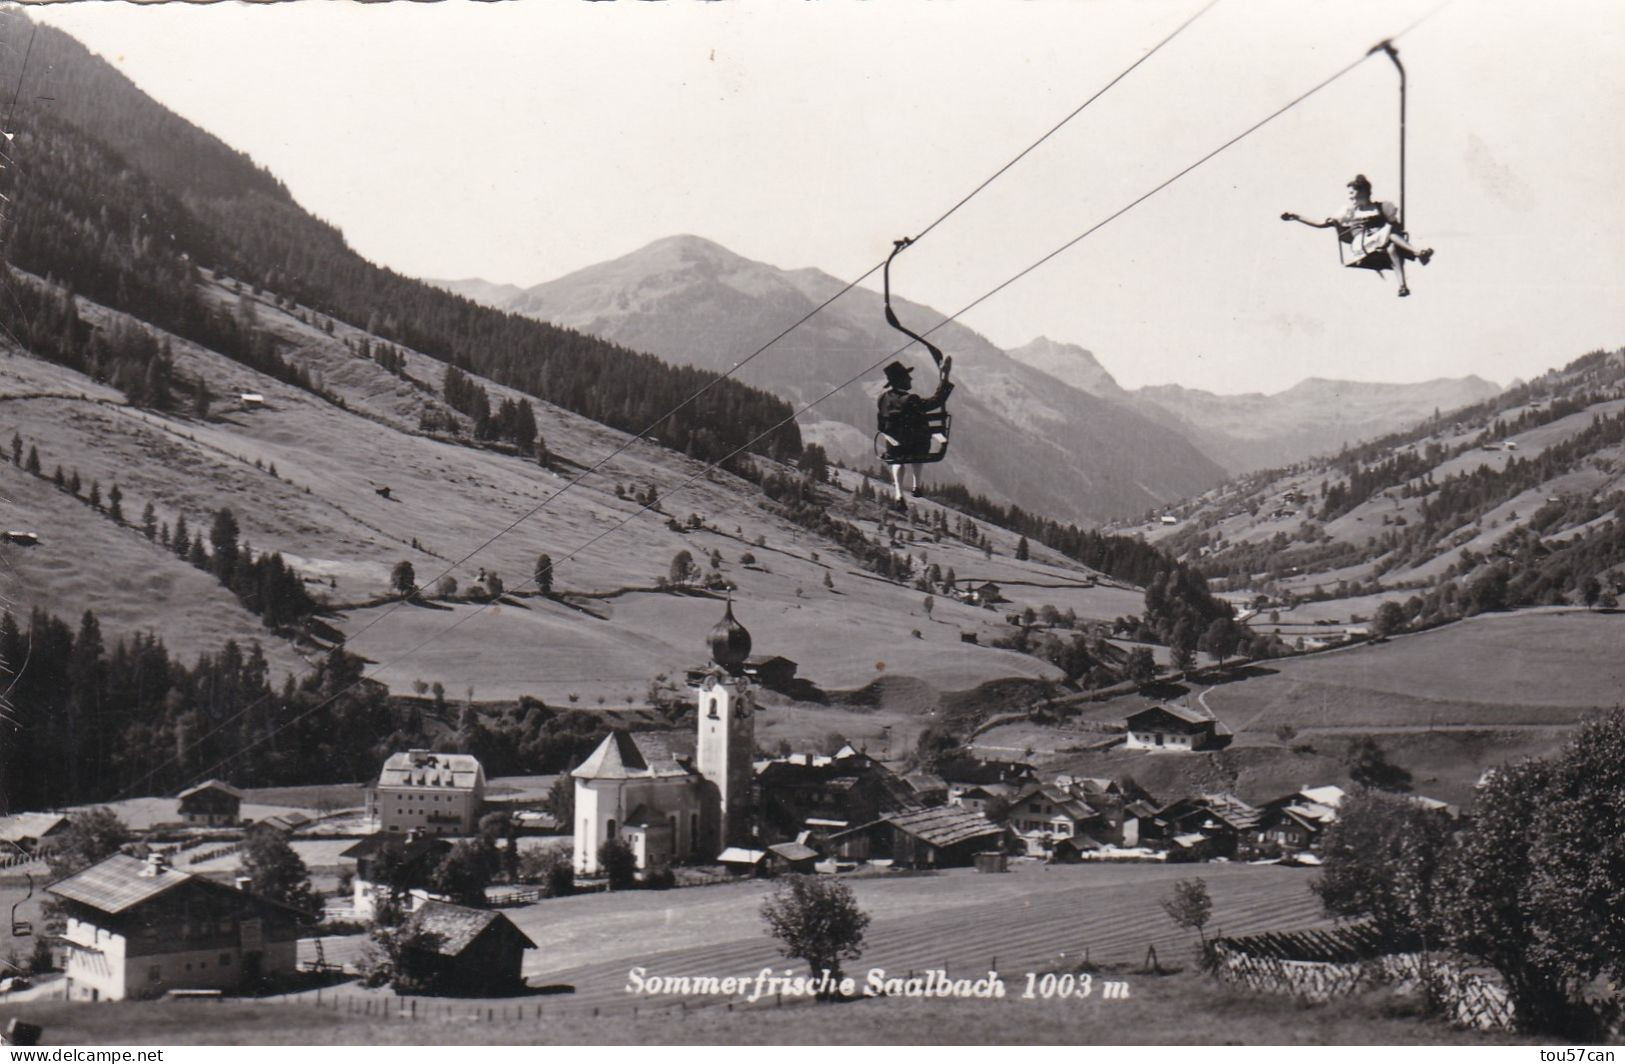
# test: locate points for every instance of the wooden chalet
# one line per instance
(1174, 728)
(452, 949)
(139, 928)
(943, 837)
(212, 803)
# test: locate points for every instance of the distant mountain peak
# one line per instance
(1070, 364)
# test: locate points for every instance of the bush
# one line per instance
(662, 878)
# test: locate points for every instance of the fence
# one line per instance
(1321, 965)
(209, 855)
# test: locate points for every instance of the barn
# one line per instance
(943, 837)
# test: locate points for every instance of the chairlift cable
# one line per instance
(861, 375)
(738, 365)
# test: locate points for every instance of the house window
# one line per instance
(225, 960)
(609, 830)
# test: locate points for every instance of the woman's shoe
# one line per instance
(1426, 254)
(1403, 292)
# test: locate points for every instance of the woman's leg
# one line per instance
(897, 481)
(1397, 257)
(914, 471)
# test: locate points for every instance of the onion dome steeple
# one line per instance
(730, 643)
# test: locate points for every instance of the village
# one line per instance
(171, 913)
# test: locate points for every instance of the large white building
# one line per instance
(438, 794)
(664, 807)
(137, 928)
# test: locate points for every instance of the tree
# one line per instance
(929, 604)
(1381, 859)
(91, 837)
(561, 802)
(463, 874)
(544, 574)
(682, 568)
(552, 869)
(1390, 618)
(1222, 638)
(275, 871)
(618, 863)
(1535, 888)
(1142, 666)
(403, 578)
(149, 522)
(1023, 551)
(1189, 906)
(1368, 766)
(223, 534)
(818, 921)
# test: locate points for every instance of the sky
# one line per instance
(517, 142)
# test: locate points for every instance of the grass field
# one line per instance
(1446, 704)
(1178, 1009)
(1035, 918)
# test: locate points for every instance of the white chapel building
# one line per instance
(665, 807)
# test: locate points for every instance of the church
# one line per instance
(670, 809)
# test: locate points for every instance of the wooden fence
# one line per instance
(1321, 965)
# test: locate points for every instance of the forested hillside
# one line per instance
(122, 200)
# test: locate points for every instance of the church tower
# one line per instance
(726, 748)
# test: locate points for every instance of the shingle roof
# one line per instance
(118, 884)
(29, 825)
(623, 755)
(423, 768)
(740, 855)
(944, 825)
(410, 851)
(212, 785)
(455, 927)
(794, 851)
(1189, 716)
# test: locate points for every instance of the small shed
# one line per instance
(452, 949)
(743, 861)
(790, 857)
(251, 401)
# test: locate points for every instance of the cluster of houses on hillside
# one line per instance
(137, 926)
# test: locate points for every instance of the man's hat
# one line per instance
(897, 373)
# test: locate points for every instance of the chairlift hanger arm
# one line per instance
(891, 316)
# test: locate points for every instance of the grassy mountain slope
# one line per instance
(1020, 434)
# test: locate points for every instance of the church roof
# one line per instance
(624, 755)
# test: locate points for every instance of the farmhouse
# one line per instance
(137, 928)
(1174, 729)
(440, 794)
(633, 787)
(472, 951)
(213, 803)
(1042, 815)
(1294, 822)
(1207, 825)
(1001, 778)
(944, 837)
(37, 833)
(392, 864)
(849, 788)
